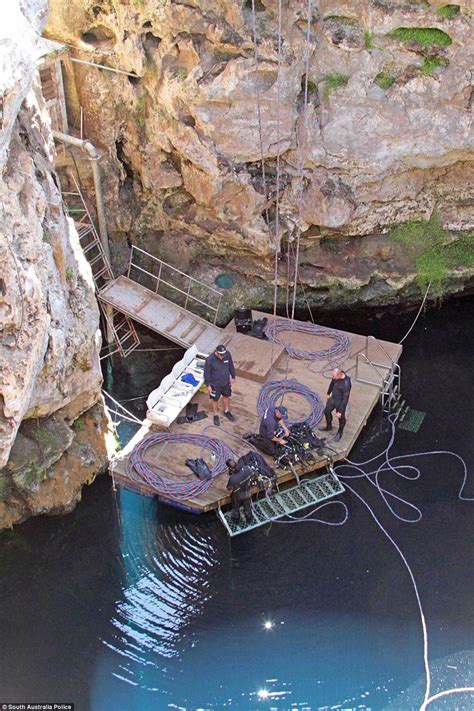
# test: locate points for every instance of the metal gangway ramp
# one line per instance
(166, 300)
(286, 502)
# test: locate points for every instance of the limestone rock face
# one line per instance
(48, 312)
(377, 132)
(49, 464)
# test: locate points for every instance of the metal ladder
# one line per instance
(120, 326)
(282, 503)
(390, 376)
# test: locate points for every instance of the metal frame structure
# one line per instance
(286, 502)
(122, 335)
(390, 381)
(191, 281)
(49, 62)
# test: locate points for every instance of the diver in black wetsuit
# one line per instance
(273, 429)
(240, 486)
(337, 398)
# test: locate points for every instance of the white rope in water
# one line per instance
(417, 315)
(139, 397)
(156, 350)
(447, 692)
(123, 417)
(306, 517)
(118, 404)
(417, 594)
(388, 465)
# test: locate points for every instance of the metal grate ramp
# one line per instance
(276, 505)
(412, 421)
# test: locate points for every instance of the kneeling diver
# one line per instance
(273, 428)
(240, 486)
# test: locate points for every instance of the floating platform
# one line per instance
(256, 361)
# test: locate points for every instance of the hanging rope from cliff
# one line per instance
(259, 112)
(417, 315)
(262, 156)
(300, 173)
(277, 214)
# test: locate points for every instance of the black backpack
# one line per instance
(199, 468)
(258, 463)
(304, 435)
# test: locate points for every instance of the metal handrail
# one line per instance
(98, 241)
(170, 266)
(172, 286)
(367, 360)
(160, 280)
(380, 346)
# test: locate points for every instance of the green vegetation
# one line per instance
(330, 244)
(312, 87)
(431, 63)
(334, 81)
(429, 243)
(149, 61)
(78, 425)
(446, 12)
(385, 80)
(49, 441)
(6, 487)
(424, 36)
(141, 110)
(368, 40)
(118, 444)
(461, 252)
(69, 274)
(31, 476)
(181, 73)
(342, 20)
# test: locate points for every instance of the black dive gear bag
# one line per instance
(199, 468)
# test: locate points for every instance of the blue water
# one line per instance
(127, 604)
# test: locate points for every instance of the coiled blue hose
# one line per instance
(273, 391)
(157, 476)
(340, 347)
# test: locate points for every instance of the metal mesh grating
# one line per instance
(412, 420)
(276, 505)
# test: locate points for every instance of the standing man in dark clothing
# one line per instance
(240, 486)
(219, 375)
(272, 426)
(338, 396)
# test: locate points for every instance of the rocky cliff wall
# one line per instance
(387, 140)
(50, 374)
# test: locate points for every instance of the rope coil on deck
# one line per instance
(339, 348)
(158, 477)
(273, 391)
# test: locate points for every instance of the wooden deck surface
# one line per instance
(314, 374)
(252, 360)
